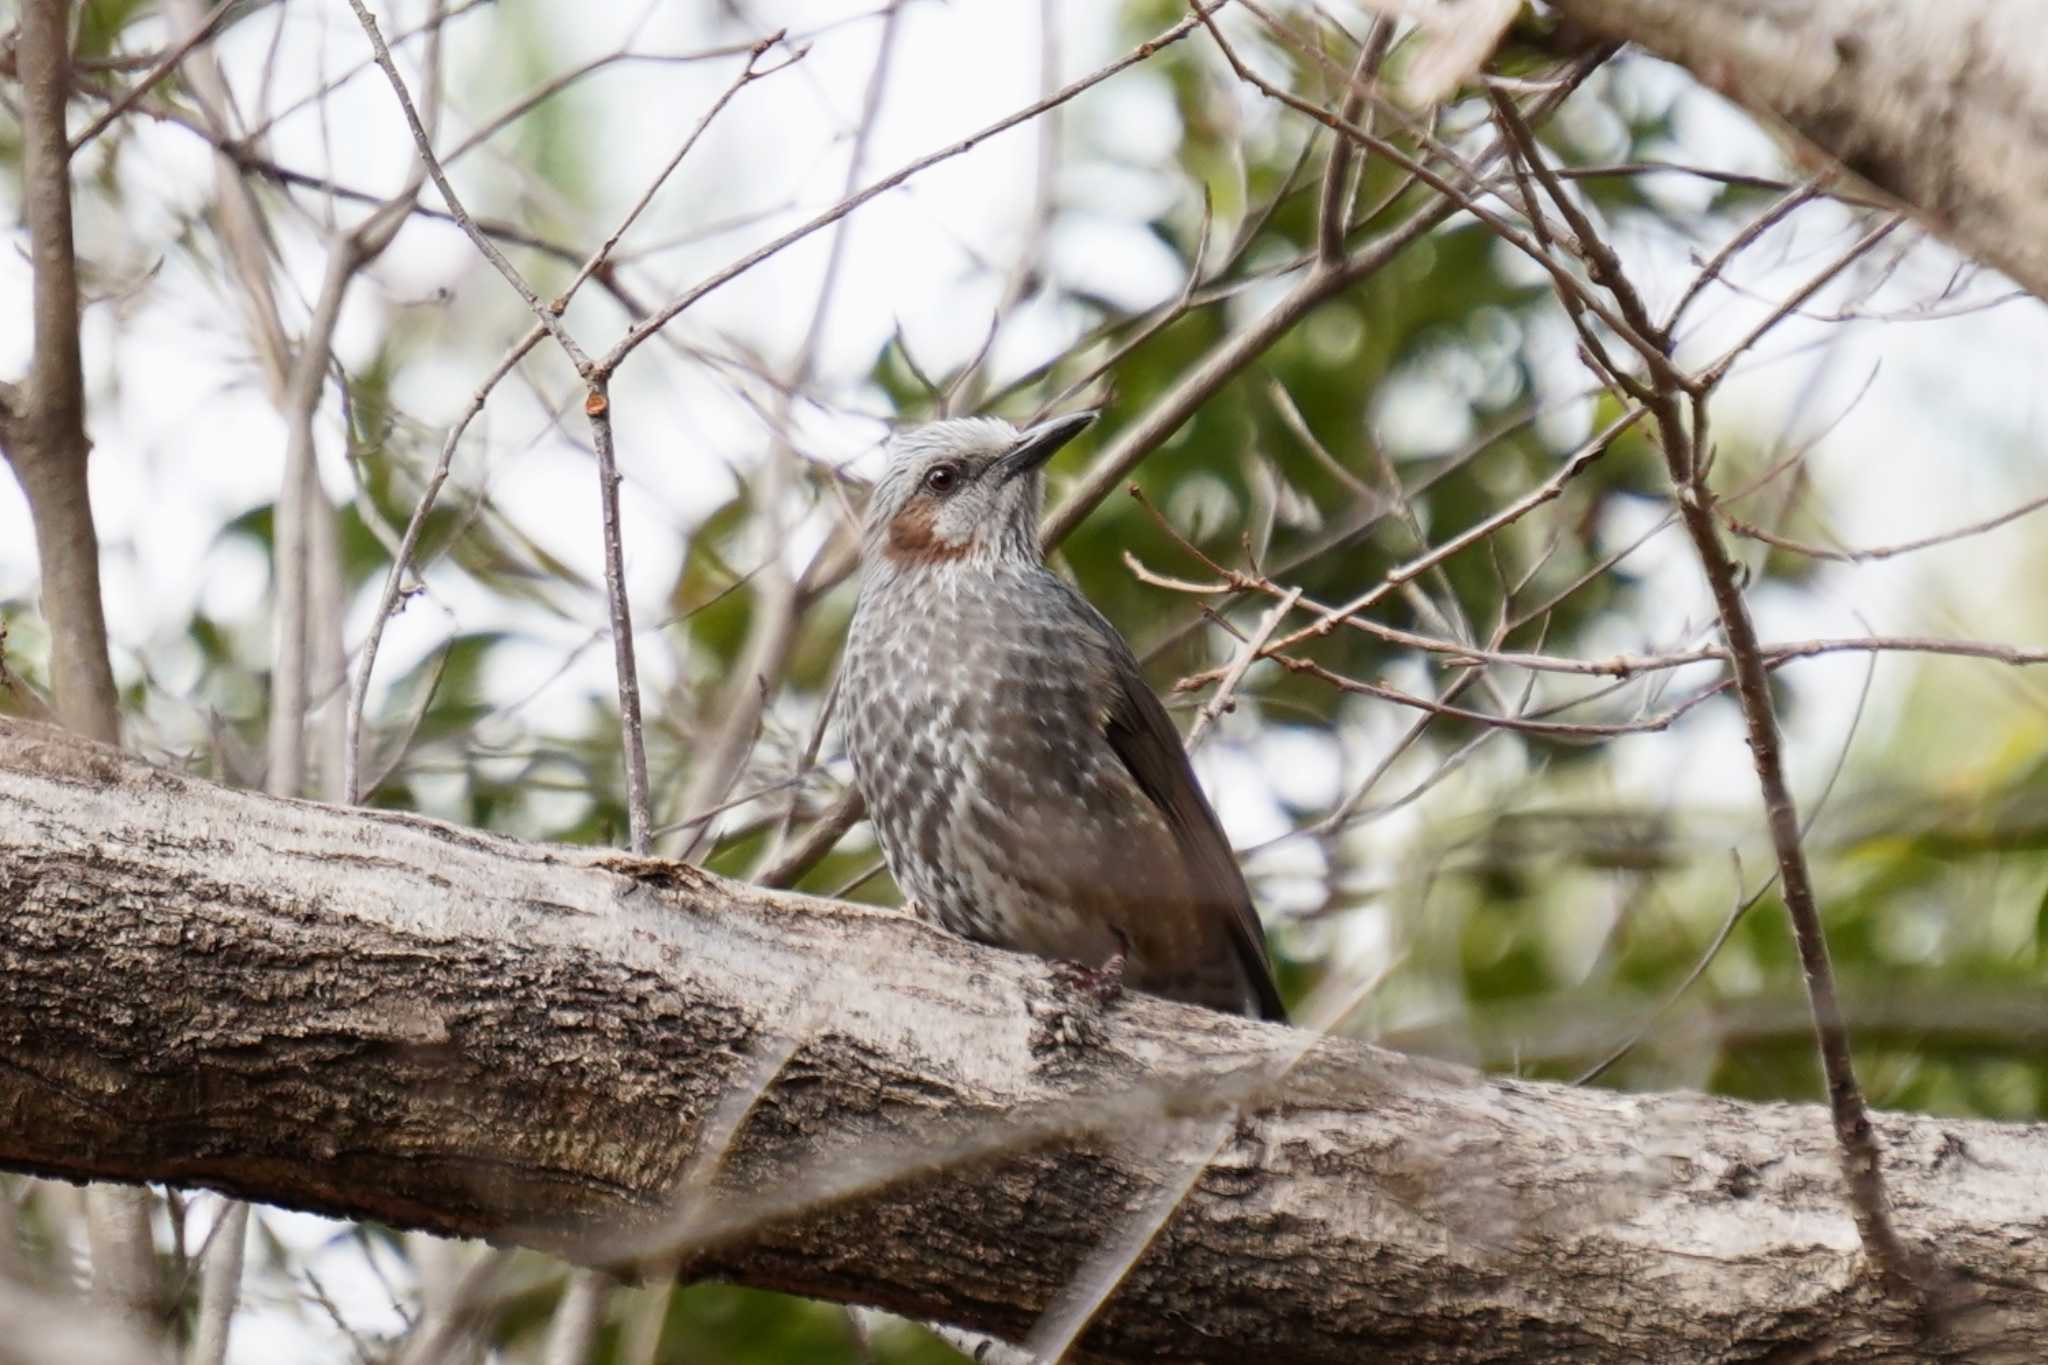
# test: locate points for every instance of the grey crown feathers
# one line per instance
(1027, 787)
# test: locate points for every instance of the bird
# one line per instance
(1025, 783)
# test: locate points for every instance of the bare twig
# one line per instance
(1150, 327)
(1740, 242)
(772, 623)
(299, 500)
(1713, 374)
(1247, 655)
(394, 577)
(401, 561)
(668, 311)
(195, 35)
(749, 73)
(817, 841)
(638, 808)
(1743, 904)
(555, 85)
(1860, 1152)
(432, 24)
(1461, 654)
(304, 536)
(1667, 395)
(542, 313)
(1564, 730)
(972, 378)
(1867, 554)
(1467, 199)
(1548, 490)
(1223, 362)
(1334, 207)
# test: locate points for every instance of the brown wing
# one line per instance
(1144, 738)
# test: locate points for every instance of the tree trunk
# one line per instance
(381, 1016)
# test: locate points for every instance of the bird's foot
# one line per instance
(1104, 984)
(1064, 1028)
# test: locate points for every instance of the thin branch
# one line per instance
(301, 501)
(1795, 198)
(319, 94)
(1743, 904)
(1548, 490)
(394, 577)
(238, 155)
(1461, 654)
(825, 832)
(1861, 1156)
(772, 622)
(239, 225)
(1227, 358)
(1563, 730)
(599, 259)
(1466, 200)
(425, 146)
(147, 82)
(1712, 375)
(1334, 206)
(971, 380)
(1868, 554)
(597, 407)
(1246, 657)
(668, 311)
(1687, 461)
(556, 84)
(1149, 327)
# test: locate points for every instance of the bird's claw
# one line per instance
(1105, 984)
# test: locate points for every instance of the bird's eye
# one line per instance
(942, 478)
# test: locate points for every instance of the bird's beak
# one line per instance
(1039, 443)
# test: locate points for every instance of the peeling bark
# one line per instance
(381, 1016)
(1943, 106)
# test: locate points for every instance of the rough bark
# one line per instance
(1944, 106)
(382, 1016)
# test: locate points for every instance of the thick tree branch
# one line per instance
(386, 1017)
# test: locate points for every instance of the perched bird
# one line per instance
(1027, 787)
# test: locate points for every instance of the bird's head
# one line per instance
(965, 490)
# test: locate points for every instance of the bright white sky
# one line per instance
(1949, 430)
